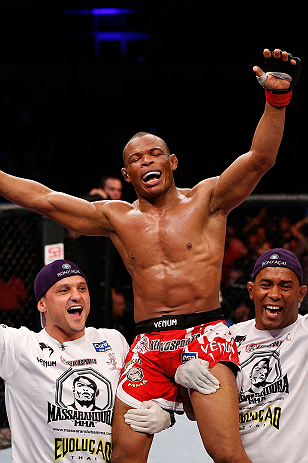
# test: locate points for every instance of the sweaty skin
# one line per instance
(171, 240)
(177, 245)
(172, 243)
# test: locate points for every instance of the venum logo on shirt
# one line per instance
(47, 363)
(44, 346)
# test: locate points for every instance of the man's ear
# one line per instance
(173, 161)
(41, 306)
(302, 293)
(250, 286)
(125, 175)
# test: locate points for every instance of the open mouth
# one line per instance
(273, 311)
(75, 311)
(151, 177)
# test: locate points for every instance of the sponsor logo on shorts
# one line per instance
(189, 356)
(165, 323)
(142, 345)
(138, 384)
(134, 374)
(132, 362)
(174, 344)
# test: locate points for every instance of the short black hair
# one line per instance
(92, 384)
(140, 135)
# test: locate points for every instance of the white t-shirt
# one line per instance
(60, 397)
(273, 385)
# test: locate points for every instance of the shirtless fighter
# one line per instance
(172, 243)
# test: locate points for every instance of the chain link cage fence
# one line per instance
(18, 267)
(262, 222)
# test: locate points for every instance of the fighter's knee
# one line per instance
(229, 456)
(124, 456)
(222, 457)
(118, 457)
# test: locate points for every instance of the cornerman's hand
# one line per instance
(195, 374)
(278, 74)
(150, 418)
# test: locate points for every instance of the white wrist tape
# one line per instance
(279, 75)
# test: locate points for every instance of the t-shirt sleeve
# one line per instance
(11, 345)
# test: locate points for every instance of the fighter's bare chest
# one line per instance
(162, 237)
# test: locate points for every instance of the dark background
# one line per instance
(66, 114)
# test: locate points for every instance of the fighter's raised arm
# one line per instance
(237, 181)
(71, 212)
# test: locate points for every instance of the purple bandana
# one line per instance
(278, 257)
(50, 274)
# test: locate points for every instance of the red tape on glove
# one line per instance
(279, 100)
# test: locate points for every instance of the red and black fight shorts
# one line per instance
(161, 345)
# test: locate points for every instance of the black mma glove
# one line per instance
(283, 69)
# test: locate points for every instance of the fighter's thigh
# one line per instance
(127, 445)
(217, 417)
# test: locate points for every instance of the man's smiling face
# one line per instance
(66, 306)
(148, 165)
(276, 293)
